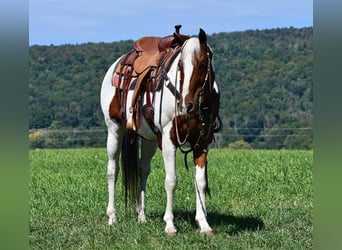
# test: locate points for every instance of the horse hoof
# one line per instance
(208, 233)
(171, 234)
(111, 220)
(142, 220)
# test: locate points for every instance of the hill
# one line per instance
(265, 77)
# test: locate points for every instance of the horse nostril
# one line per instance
(190, 107)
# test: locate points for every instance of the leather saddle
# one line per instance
(151, 48)
(137, 68)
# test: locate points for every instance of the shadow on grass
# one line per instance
(235, 224)
(230, 224)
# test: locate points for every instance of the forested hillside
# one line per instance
(265, 77)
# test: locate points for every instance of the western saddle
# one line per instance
(142, 70)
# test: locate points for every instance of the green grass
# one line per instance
(260, 199)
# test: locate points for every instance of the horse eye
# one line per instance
(202, 66)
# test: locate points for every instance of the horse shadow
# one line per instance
(223, 223)
(233, 225)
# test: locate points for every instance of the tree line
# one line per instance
(265, 78)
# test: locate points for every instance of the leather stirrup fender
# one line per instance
(130, 125)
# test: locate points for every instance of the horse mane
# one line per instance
(190, 46)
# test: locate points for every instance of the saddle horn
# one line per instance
(177, 28)
(179, 38)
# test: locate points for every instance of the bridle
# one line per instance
(203, 113)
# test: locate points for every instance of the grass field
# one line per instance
(260, 199)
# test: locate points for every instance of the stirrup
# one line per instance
(130, 125)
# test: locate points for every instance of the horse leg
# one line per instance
(200, 159)
(148, 149)
(169, 156)
(114, 140)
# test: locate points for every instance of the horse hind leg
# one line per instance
(148, 149)
(114, 140)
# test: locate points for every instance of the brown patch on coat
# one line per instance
(114, 108)
(200, 158)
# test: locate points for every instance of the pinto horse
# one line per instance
(188, 112)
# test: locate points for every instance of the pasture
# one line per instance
(259, 199)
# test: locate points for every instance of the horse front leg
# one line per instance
(148, 149)
(113, 150)
(169, 156)
(200, 159)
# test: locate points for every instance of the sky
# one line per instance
(80, 21)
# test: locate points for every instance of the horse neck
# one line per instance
(174, 75)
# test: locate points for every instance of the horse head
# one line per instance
(200, 95)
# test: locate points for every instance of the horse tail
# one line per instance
(130, 175)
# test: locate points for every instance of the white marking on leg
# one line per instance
(201, 212)
(169, 154)
(141, 207)
(111, 211)
(148, 149)
(113, 142)
(170, 187)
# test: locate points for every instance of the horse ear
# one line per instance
(202, 37)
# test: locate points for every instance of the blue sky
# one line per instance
(80, 21)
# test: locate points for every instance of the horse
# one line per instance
(186, 111)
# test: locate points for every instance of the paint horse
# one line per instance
(185, 109)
